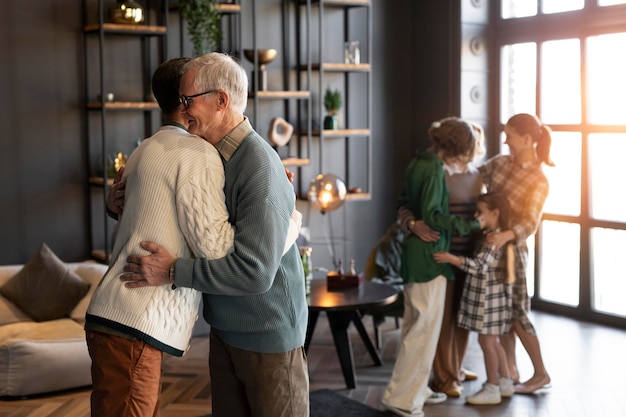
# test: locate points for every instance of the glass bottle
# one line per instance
(305, 255)
(339, 266)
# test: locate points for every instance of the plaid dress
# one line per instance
(486, 301)
(526, 188)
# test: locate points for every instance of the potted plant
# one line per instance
(332, 103)
(203, 24)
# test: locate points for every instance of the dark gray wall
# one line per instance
(42, 181)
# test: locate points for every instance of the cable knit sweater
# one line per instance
(174, 197)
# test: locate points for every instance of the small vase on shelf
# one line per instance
(330, 121)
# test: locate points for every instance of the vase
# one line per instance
(127, 12)
(330, 122)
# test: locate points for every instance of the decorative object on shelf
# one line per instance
(305, 255)
(327, 192)
(203, 24)
(352, 52)
(108, 97)
(264, 57)
(280, 131)
(116, 164)
(127, 12)
(332, 104)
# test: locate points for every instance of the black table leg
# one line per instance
(339, 322)
(356, 319)
(313, 315)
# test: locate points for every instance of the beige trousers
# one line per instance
(421, 324)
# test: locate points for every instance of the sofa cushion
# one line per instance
(92, 273)
(43, 357)
(9, 313)
(46, 288)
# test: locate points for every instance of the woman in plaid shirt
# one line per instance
(520, 178)
(486, 301)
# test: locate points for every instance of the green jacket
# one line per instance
(425, 193)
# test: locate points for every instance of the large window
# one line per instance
(563, 60)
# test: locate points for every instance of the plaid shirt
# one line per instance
(524, 185)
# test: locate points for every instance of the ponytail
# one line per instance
(544, 142)
(541, 134)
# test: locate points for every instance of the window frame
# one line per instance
(590, 21)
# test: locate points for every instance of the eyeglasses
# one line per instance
(186, 100)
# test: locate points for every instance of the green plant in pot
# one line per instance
(203, 24)
(332, 103)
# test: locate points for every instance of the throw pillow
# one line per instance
(45, 288)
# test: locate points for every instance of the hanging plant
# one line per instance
(203, 24)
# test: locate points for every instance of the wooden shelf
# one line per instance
(224, 8)
(122, 29)
(100, 181)
(339, 67)
(277, 94)
(340, 3)
(293, 161)
(228, 8)
(124, 105)
(338, 133)
(358, 196)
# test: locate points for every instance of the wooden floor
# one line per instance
(587, 364)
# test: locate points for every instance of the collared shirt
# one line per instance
(229, 143)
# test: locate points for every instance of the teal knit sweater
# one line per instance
(254, 298)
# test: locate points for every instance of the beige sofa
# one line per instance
(49, 355)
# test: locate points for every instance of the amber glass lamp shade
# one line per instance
(327, 192)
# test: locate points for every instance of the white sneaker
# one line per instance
(401, 413)
(490, 394)
(506, 387)
(434, 397)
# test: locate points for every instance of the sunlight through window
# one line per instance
(560, 82)
(518, 82)
(564, 178)
(607, 159)
(518, 8)
(610, 2)
(608, 282)
(607, 84)
(560, 262)
(558, 6)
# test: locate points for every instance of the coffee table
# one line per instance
(343, 307)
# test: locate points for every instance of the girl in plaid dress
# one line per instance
(486, 302)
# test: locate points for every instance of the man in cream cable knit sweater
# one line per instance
(254, 298)
(175, 196)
